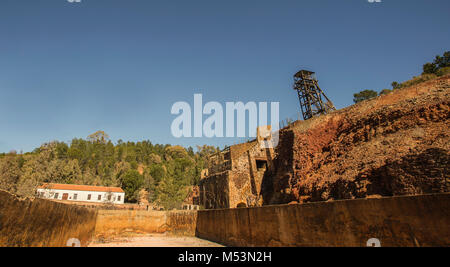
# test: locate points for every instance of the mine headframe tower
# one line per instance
(313, 101)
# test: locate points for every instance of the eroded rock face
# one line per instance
(397, 144)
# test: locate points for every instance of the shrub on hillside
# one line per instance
(364, 95)
(429, 68)
(443, 71)
(438, 64)
(385, 91)
(419, 79)
(395, 85)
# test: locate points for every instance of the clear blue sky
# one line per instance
(68, 69)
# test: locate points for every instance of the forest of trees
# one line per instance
(165, 171)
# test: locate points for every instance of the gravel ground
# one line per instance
(154, 240)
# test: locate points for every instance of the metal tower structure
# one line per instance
(313, 100)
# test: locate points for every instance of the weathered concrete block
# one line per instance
(396, 221)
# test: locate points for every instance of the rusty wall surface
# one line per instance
(245, 179)
(214, 191)
(112, 223)
(182, 222)
(239, 186)
(116, 222)
(39, 222)
(395, 221)
(237, 150)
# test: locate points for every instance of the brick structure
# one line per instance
(235, 176)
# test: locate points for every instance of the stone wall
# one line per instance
(112, 223)
(214, 191)
(395, 221)
(245, 179)
(39, 222)
(116, 222)
(181, 222)
(241, 185)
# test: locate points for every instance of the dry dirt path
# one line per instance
(155, 240)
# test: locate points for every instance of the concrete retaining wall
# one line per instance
(116, 222)
(398, 221)
(39, 222)
(182, 222)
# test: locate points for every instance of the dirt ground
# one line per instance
(154, 240)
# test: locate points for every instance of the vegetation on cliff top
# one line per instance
(439, 67)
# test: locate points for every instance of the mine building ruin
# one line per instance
(234, 176)
(313, 101)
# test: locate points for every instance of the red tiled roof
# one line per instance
(81, 188)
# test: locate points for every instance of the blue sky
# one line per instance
(70, 69)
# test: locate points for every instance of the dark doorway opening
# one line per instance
(261, 165)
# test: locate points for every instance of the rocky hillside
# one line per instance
(396, 144)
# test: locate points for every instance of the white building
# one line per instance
(85, 193)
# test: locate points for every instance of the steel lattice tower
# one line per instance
(313, 100)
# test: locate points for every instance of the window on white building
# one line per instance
(118, 198)
(75, 196)
(89, 197)
(99, 197)
(56, 195)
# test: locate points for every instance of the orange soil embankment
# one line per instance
(396, 144)
(39, 222)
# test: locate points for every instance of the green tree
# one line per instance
(176, 152)
(132, 182)
(170, 194)
(10, 173)
(364, 95)
(62, 150)
(385, 91)
(149, 185)
(98, 137)
(444, 61)
(395, 85)
(429, 68)
(158, 172)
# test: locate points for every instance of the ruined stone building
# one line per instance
(392, 145)
(192, 200)
(235, 175)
